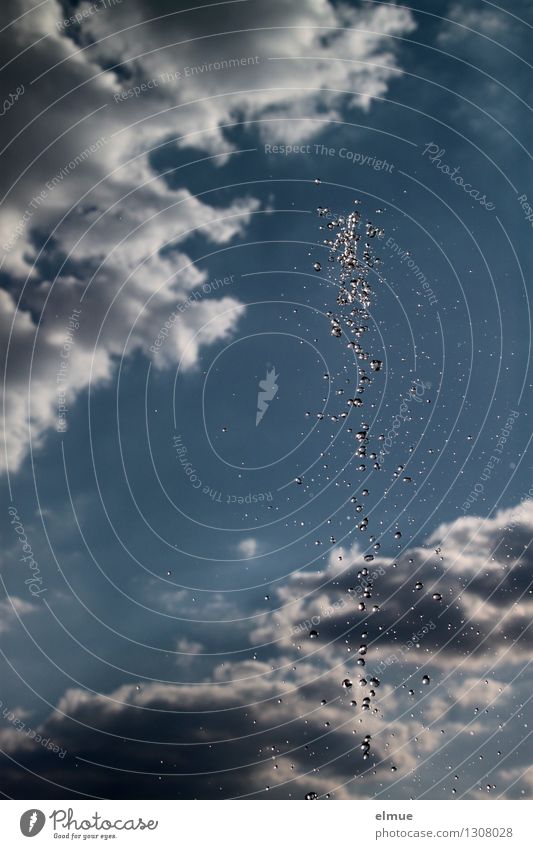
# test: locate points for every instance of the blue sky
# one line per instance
(162, 175)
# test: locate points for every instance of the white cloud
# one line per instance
(519, 779)
(11, 609)
(484, 578)
(469, 22)
(122, 214)
(189, 647)
(293, 691)
(283, 730)
(248, 547)
(472, 539)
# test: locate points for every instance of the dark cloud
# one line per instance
(286, 723)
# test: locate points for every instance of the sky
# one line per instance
(258, 542)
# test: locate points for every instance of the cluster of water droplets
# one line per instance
(353, 263)
(353, 266)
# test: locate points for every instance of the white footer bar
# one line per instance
(268, 824)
